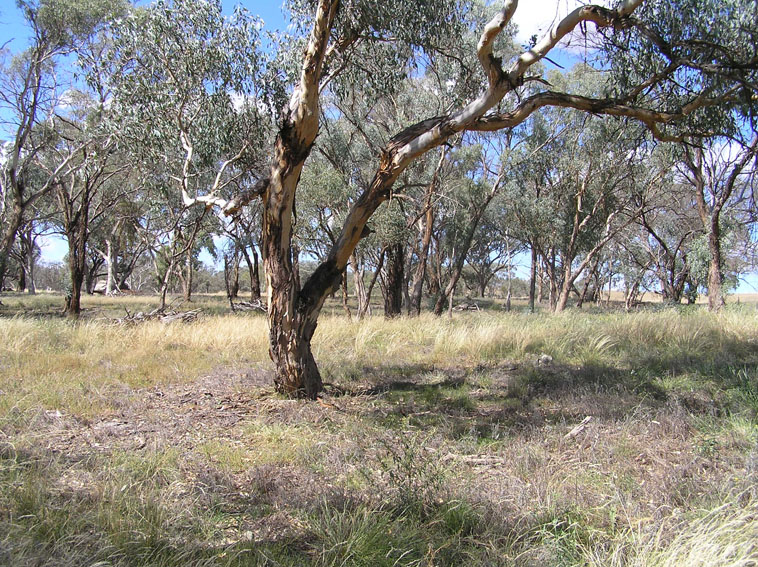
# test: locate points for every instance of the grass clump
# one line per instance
(725, 536)
(365, 537)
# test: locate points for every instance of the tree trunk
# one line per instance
(447, 294)
(234, 280)
(292, 312)
(417, 286)
(9, 236)
(379, 265)
(226, 283)
(345, 297)
(715, 277)
(255, 280)
(188, 273)
(541, 284)
(77, 233)
(27, 261)
(165, 282)
(532, 279)
(30, 265)
(568, 282)
(393, 299)
(77, 267)
(110, 261)
(460, 258)
(450, 303)
(360, 287)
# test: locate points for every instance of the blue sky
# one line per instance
(12, 24)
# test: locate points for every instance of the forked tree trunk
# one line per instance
(710, 213)
(587, 282)
(366, 308)
(417, 286)
(252, 268)
(293, 312)
(165, 282)
(77, 268)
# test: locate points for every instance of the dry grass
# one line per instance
(438, 443)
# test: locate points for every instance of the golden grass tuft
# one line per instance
(726, 536)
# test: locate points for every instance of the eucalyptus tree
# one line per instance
(480, 178)
(493, 248)
(97, 178)
(188, 102)
(607, 194)
(635, 264)
(387, 34)
(84, 194)
(244, 233)
(671, 228)
(721, 175)
(32, 91)
(426, 226)
(26, 252)
(115, 240)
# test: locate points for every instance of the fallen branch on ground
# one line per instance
(256, 305)
(157, 315)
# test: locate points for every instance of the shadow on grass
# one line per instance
(492, 401)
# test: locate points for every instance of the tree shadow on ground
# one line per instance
(522, 397)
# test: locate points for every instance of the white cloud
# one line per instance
(539, 16)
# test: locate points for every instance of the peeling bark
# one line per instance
(293, 312)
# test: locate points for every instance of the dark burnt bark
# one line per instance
(394, 280)
(234, 280)
(532, 279)
(76, 235)
(252, 268)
